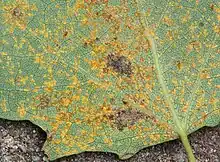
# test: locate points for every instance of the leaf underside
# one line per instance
(84, 71)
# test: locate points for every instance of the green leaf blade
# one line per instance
(86, 74)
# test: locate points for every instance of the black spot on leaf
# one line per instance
(124, 102)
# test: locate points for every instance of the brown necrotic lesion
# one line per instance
(119, 64)
(16, 12)
(124, 118)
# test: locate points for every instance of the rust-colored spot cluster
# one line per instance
(96, 1)
(44, 101)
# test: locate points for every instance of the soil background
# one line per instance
(22, 141)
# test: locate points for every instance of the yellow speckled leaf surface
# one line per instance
(84, 71)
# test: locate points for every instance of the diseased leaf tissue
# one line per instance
(84, 70)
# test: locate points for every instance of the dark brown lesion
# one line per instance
(16, 12)
(122, 119)
(212, 7)
(65, 33)
(120, 64)
(124, 101)
(91, 42)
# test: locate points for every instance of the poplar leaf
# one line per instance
(110, 75)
